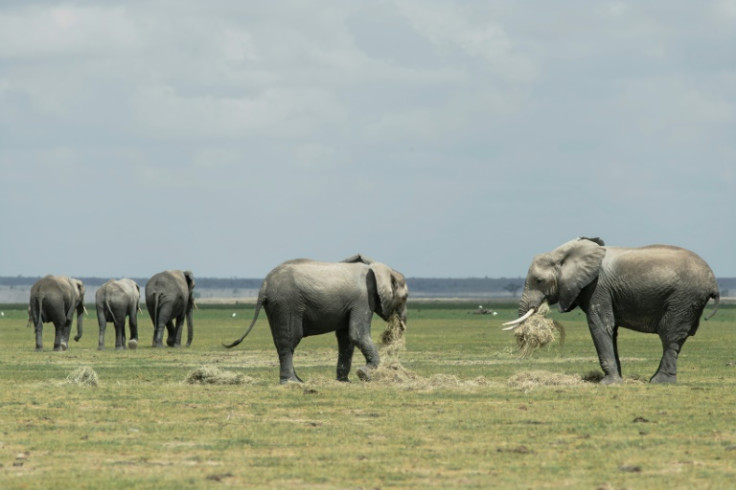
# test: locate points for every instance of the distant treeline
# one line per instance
(417, 284)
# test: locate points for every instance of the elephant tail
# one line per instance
(716, 300)
(156, 302)
(35, 315)
(259, 304)
(109, 308)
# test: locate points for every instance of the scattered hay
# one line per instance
(84, 376)
(528, 380)
(538, 331)
(211, 375)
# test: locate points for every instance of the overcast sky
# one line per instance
(444, 138)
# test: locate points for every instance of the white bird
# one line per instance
(234, 315)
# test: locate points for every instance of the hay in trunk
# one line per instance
(84, 376)
(211, 375)
(538, 331)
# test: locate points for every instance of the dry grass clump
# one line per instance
(528, 380)
(84, 376)
(391, 371)
(538, 331)
(211, 375)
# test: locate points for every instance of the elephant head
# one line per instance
(392, 292)
(561, 275)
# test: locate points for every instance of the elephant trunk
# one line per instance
(526, 309)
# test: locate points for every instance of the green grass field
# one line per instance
(461, 423)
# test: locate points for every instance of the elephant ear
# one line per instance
(389, 284)
(359, 259)
(190, 280)
(579, 262)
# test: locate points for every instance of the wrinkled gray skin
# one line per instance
(305, 297)
(654, 289)
(115, 300)
(169, 297)
(54, 299)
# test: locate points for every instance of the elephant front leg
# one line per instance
(173, 338)
(120, 335)
(360, 335)
(133, 322)
(345, 355)
(61, 339)
(604, 340)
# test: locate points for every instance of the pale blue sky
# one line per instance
(447, 139)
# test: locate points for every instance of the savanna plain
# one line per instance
(472, 413)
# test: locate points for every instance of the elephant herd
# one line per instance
(169, 297)
(658, 289)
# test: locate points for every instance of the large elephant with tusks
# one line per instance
(169, 297)
(55, 299)
(305, 297)
(658, 289)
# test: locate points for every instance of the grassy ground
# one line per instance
(460, 423)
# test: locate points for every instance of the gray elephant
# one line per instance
(169, 297)
(115, 300)
(304, 297)
(654, 289)
(54, 299)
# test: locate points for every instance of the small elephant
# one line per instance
(304, 297)
(170, 296)
(115, 300)
(658, 289)
(54, 299)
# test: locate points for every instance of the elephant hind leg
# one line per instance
(667, 371)
(287, 332)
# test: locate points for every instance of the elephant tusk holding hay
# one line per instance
(514, 323)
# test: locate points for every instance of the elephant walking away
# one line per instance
(304, 297)
(54, 299)
(115, 300)
(658, 289)
(169, 297)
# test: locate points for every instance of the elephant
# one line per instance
(115, 300)
(305, 297)
(659, 289)
(169, 297)
(54, 299)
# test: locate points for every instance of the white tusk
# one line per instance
(513, 323)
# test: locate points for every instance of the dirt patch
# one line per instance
(529, 380)
(211, 375)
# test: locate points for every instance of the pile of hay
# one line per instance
(211, 375)
(84, 376)
(538, 331)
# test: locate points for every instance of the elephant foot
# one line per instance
(660, 378)
(611, 379)
(158, 345)
(100, 347)
(365, 373)
(133, 344)
(284, 381)
(39, 349)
